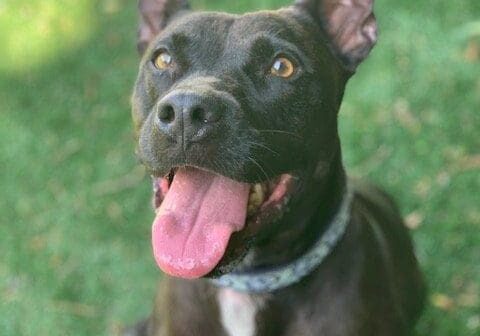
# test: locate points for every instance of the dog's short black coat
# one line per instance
(370, 284)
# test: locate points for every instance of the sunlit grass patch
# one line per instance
(34, 32)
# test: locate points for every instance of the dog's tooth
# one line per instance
(257, 195)
(259, 191)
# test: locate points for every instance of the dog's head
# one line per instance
(234, 114)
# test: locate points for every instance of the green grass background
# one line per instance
(75, 211)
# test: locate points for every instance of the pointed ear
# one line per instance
(154, 16)
(350, 26)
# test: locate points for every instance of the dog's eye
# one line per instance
(282, 67)
(163, 60)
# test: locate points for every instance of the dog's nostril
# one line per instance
(198, 114)
(166, 114)
(201, 115)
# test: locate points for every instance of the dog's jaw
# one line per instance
(197, 213)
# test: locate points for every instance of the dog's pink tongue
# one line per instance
(195, 221)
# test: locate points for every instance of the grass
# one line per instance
(75, 215)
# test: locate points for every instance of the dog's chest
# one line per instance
(238, 312)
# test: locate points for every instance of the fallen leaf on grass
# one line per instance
(443, 179)
(414, 220)
(405, 117)
(469, 297)
(442, 301)
(38, 243)
(116, 328)
(70, 148)
(470, 162)
(468, 300)
(423, 187)
(373, 162)
(472, 51)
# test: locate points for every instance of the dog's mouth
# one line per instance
(197, 212)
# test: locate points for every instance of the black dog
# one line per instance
(236, 117)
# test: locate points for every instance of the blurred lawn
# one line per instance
(75, 210)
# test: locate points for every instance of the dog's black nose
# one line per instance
(189, 117)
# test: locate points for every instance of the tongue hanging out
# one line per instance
(195, 221)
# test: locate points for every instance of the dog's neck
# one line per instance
(282, 276)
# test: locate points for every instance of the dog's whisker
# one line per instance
(259, 166)
(281, 132)
(252, 143)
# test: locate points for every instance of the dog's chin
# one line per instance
(206, 222)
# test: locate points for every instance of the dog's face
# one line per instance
(233, 115)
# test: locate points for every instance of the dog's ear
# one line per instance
(154, 16)
(350, 26)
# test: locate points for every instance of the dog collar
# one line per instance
(280, 277)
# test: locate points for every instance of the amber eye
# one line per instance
(163, 60)
(282, 67)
